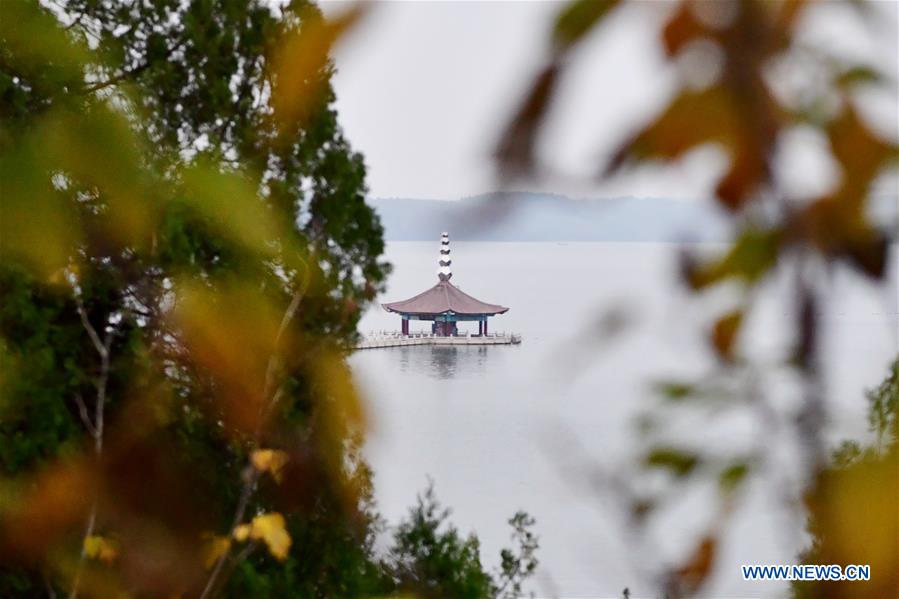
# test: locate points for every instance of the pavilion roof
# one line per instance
(444, 297)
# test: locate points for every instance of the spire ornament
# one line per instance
(444, 273)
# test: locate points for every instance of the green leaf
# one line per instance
(731, 477)
(750, 257)
(675, 391)
(578, 18)
(858, 75)
(681, 463)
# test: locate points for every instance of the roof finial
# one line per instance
(444, 273)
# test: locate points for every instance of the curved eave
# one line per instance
(444, 298)
(406, 312)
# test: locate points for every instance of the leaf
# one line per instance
(343, 409)
(515, 151)
(682, 29)
(748, 170)
(725, 332)
(230, 204)
(641, 508)
(231, 332)
(840, 229)
(55, 500)
(215, 549)
(858, 75)
(750, 257)
(300, 58)
(35, 220)
(697, 568)
(32, 39)
(859, 152)
(101, 548)
(690, 120)
(271, 529)
(578, 18)
(675, 391)
(679, 462)
(854, 510)
(97, 149)
(731, 477)
(241, 532)
(742, 119)
(869, 253)
(789, 14)
(269, 460)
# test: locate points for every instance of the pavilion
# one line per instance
(444, 303)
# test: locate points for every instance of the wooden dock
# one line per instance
(374, 340)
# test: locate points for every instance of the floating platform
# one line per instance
(399, 340)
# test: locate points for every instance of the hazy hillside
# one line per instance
(540, 217)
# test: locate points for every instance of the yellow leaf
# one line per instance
(271, 528)
(343, 407)
(269, 460)
(231, 330)
(101, 548)
(215, 549)
(241, 532)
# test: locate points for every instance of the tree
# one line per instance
(430, 558)
(186, 252)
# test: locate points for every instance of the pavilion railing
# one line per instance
(385, 335)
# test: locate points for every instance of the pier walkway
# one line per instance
(392, 339)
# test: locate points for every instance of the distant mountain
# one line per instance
(544, 217)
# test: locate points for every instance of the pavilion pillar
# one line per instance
(485, 326)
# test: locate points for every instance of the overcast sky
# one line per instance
(423, 89)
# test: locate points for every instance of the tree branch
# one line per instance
(95, 427)
(129, 74)
(115, 79)
(91, 331)
(51, 592)
(85, 418)
(251, 475)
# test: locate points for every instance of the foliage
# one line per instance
(430, 558)
(516, 566)
(182, 271)
(852, 510)
(433, 560)
(731, 60)
(883, 407)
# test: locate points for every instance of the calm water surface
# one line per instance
(529, 427)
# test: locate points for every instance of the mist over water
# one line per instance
(533, 426)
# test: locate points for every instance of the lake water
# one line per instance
(533, 426)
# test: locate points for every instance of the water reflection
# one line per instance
(442, 361)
